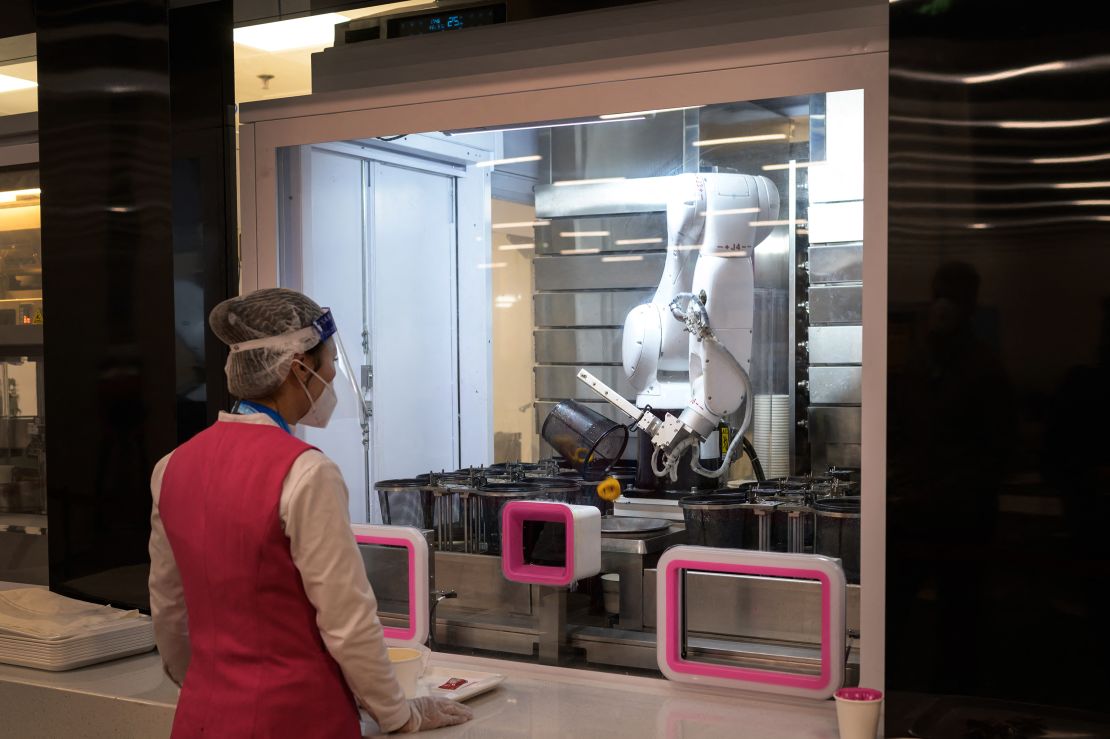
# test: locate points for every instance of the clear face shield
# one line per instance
(350, 402)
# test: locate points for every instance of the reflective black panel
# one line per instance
(999, 350)
(104, 122)
(136, 250)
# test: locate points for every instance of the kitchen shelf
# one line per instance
(33, 524)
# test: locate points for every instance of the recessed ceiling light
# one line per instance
(11, 84)
(315, 31)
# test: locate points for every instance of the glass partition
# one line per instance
(22, 426)
(475, 272)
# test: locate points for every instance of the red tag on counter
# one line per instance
(453, 684)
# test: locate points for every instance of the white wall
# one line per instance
(836, 187)
(332, 275)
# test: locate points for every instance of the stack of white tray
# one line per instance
(47, 631)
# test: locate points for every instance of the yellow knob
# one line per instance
(609, 489)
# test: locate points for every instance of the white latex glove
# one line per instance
(434, 713)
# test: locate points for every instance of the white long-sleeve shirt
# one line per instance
(313, 511)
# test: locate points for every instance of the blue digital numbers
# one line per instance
(483, 15)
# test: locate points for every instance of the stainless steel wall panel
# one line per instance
(839, 263)
(834, 385)
(638, 195)
(649, 148)
(478, 580)
(836, 344)
(586, 309)
(620, 233)
(578, 346)
(590, 272)
(834, 434)
(766, 608)
(831, 424)
(838, 455)
(836, 304)
(560, 383)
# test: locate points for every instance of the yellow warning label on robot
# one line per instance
(36, 319)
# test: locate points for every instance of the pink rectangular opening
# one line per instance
(408, 633)
(675, 626)
(513, 516)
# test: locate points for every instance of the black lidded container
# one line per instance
(837, 532)
(715, 519)
(407, 502)
(485, 504)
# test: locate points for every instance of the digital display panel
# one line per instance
(452, 20)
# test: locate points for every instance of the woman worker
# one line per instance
(262, 610)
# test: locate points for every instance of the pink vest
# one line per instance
(259, 667)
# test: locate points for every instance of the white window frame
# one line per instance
(788, 59)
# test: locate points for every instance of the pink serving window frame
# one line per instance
(392, 632)
(513, 516)
(675, 626)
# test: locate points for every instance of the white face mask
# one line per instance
(321, 408)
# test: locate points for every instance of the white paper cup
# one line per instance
(857, 712)
(409, 664)
(611, 591)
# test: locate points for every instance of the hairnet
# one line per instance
(270, 323)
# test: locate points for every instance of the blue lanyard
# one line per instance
(257, 408)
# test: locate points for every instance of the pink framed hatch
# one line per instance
(416, 546)
(582, 556)
(670, 598)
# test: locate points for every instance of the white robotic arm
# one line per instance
(708, 367)
(654, 344)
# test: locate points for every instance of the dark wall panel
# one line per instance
(999, 359)
(104, 125)
(205, 240)
(137, 157)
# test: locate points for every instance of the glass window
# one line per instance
(475, 273)
(22, 429)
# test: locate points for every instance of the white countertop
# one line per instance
(539, 701)
(534, 701)
(138, 678)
